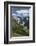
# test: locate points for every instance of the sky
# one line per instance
(17, 11)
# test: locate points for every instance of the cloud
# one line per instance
(25, 15)
(18, 11)
(13, 14)
(22, 11)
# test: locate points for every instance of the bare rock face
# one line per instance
(12, 24)
(13, 21)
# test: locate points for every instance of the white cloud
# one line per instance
(19, 12)
(13, 14)
(25, 15)
(22, 11)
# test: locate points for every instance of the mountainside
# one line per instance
(17, 29)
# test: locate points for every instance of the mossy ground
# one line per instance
(19, 30)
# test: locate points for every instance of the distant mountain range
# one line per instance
(22, 19)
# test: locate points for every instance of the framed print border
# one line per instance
(6, 34)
